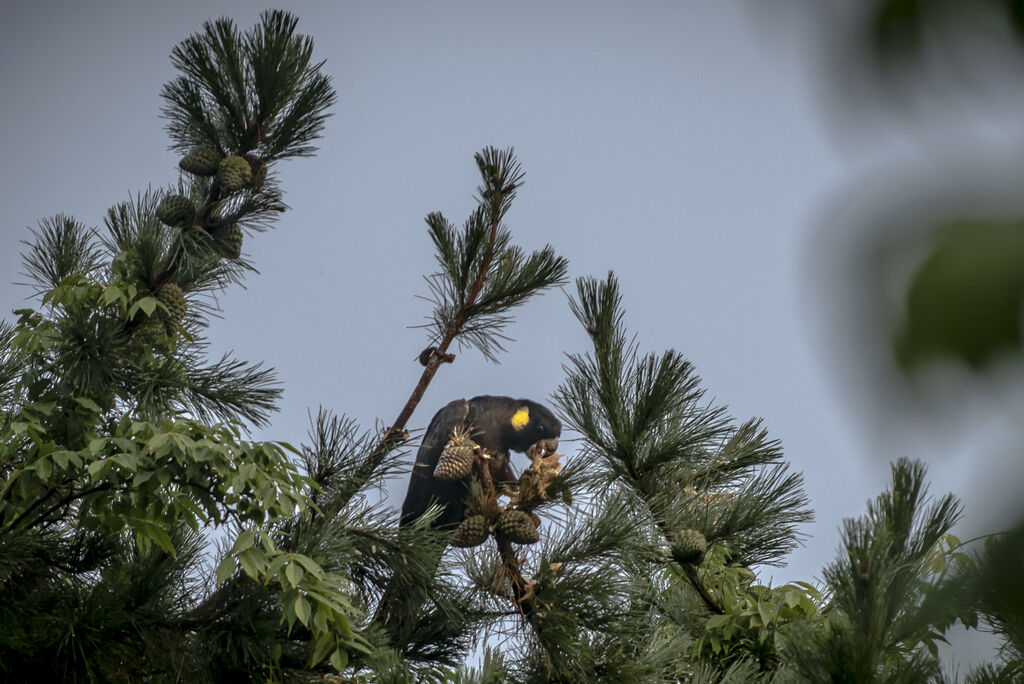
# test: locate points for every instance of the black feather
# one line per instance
(489, 421)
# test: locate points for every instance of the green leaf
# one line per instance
(43, 468)
(716, 621)
(276, 566)
(97, 468)
(244, 541)
(320, 621)
(225, 569)
(111, 293)
(287, 447)
(126, 461)
(267, 541)
(63, 457)
(156, 445)
(289, 614)
(146, 304)
(302, 609)
(324, 643)
(44, 408)
(294, 573)
(764, 612)
(88, 403)
(339, 660)
(965, 300)
(159, 535)
(311, 566)
(253, 562)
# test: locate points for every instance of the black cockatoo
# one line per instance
(499, 425)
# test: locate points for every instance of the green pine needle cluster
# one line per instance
(258, 90)
(482, 275)
(686, 465)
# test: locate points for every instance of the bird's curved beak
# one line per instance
(549, 445)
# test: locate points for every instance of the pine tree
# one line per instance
(883, 612)
(122, 445)
(635, 558)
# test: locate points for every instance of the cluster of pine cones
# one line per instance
(517, 526)
(520, 526)
(232, 173)
(514, 525)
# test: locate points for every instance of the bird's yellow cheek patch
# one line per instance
(520, 418)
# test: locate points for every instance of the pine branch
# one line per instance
(468, 263)
(521, 589)
(880, 617)
(239, 92)
(61, 247)
(586, 615)
(231, 389)
(669, 536)
(119, 345)
(339, 462)
(12, 366)
(684, 461)
(691, 573)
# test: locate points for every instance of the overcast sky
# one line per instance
(679, 144)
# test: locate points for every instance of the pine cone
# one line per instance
(259, 172)
(202, 161)
(234, 173)
(176, 210)
(173, 298)
(456, 462)
(517, 526)
(228, 240)
(690, 547)
(472, 532)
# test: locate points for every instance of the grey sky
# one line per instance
(675, 142)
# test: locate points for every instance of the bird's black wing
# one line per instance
(424, 489)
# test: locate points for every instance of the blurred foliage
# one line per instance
(966, 299)
(919, 62)
(898, 29)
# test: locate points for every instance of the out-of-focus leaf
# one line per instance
(895, 29)
(964, 301)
